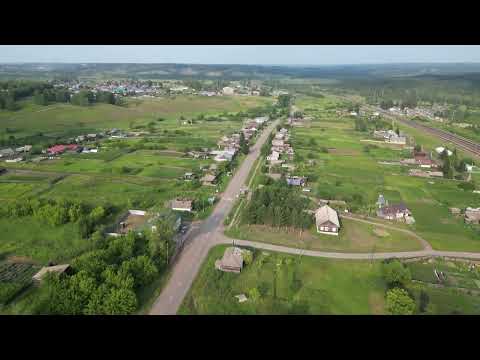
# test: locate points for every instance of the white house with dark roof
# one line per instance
(326, 220)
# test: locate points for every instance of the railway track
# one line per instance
(461, 142)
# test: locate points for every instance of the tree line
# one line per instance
(44, 93)
(58, 212)
(14, 90)
(278, 205)
(107, 280)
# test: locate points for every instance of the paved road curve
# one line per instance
(354, 256)
(209, 234)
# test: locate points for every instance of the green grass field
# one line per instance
(353, 237)
(34, 239)
(289, 284)
(300, 286)
(57, 119)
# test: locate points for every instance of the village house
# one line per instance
(295, 122)
(441, 149)
(232, 260)
(129, 221)
(326, 220)
(296, 180)
(59, 149)
(251, 125)
(6, 152)
(25, 148)
(198, 154)
(394, 212)
(278, 149)
(88, 150)
(207, 93)
(188, 176)
(390, 136)
(223, 155)
(181, 205)
(454, 211)
(472, 215)
(261, 120)
(274, 156)
(426, 174)
(227, 90)
(208, 180)
(276, 142)
(57, 269)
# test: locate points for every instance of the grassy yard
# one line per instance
(353, 237)
(299, 286)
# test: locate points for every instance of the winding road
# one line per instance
(210, 234)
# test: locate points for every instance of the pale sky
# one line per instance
(240, 54)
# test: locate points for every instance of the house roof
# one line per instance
(326, 213)
(381, 200)
(472, 214)
(209, 178)
(181, 204)
(394, 208)
(7, 151)
(48, 269)
(233, 257)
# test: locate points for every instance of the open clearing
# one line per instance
(300, 286)
(353, 237)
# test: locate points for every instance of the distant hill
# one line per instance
(178, 71)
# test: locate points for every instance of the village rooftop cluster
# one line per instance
(139, 88)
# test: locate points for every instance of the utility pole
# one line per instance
(372, 254)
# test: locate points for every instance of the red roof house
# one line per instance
(58, 149)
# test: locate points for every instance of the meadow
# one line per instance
(287, 285)
(58, 119)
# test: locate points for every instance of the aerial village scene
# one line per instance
(209, 194)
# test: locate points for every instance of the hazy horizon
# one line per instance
(264, 55)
